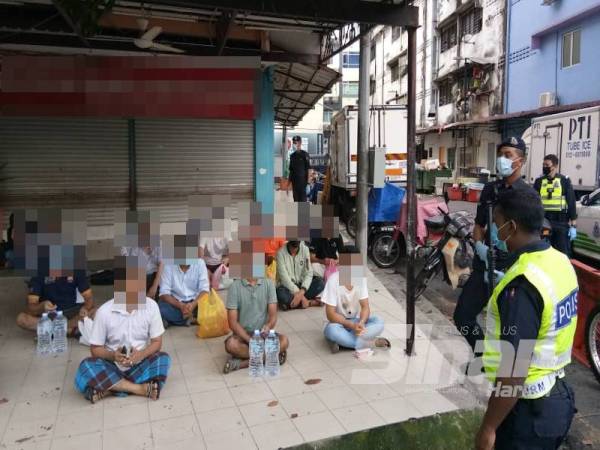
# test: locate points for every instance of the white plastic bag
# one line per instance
(85, 328)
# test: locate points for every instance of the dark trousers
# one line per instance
(540, 424)
(299, 190)
(473, 298)
(559, 239)
(285, 297)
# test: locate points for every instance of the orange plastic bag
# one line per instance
(212, 316)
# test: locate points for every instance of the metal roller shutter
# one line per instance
(65, 162)
(176, 158)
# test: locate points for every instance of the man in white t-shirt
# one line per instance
(126, 340)
(346, 300)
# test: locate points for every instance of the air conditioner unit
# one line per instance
(547, 99)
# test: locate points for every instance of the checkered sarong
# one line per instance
(101, 375)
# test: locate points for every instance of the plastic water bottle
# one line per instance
(44, 335)
(272, 354)
(59, 341)
(257, 351)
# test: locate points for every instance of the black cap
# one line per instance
(296, 139)
(515, 142)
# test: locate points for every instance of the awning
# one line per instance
(298, 87)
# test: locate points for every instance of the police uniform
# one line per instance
(62, 291)
(531, 303)
(558, 199)
(474, 295)
(299, 165)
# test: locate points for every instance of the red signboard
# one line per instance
(138, 86)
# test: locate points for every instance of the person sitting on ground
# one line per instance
(181, 287)
(297, 287)
(126, 341)
(251, 305)
(153, 264)
(346, 298)
(48, 294)
(323, 252)
(214, 252)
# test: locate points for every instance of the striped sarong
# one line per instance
(101, 375)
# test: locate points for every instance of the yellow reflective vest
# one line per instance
(552, 274)
(553, 197)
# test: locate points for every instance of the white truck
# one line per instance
(387, 130)
(573, 137)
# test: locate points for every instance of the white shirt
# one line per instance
(114, 327)
(184, 286)
(214, 249)
(152, 259)
(347, 302)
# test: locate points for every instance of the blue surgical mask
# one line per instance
(504, 166)
(501, 244)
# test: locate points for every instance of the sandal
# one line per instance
(381, 342)
(94, 395)
(315, 303)
(282, 358)
(153, 388)
(231, 365)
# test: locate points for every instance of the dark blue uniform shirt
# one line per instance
(60, 291)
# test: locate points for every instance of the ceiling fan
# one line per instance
(146, 40)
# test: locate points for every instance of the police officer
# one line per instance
(475, 293)
(299, 165)
(558, 199)
(531, 321)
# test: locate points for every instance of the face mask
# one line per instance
(546, 170)
(501, 243)
(504, 166)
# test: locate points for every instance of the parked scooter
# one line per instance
(449, 249)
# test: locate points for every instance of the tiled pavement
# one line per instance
(201, 408)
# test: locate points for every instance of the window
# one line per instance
(448, 37)
(372, 86)
(373, 50)
(394, 70)
(445, 92)
(471, 22)
(396, 33)
(327, 115)
(350, 89)
(451, 157)
(350, 59)
(571, 48)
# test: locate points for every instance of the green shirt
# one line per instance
(251, 302)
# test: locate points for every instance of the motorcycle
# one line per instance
(449, 248)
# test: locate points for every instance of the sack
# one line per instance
(271, 271)
(212, 316)
(330, 270)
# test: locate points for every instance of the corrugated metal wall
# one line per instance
(67, 162)
(83, 163)
(181, 157)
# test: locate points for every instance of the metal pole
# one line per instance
(283, 149)
(362, 169)
(411, 191)
(132, 166)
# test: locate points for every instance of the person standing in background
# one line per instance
(558, 199)
(298, 171)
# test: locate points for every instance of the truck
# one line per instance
(573, 137)
(387, 131)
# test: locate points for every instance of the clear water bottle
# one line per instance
(257, 351)
(44, 335)
(272, 354)
(59, 329)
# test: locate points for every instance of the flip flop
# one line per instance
(94, 395)
(282, 358)
(231, 365)
(153, 386)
